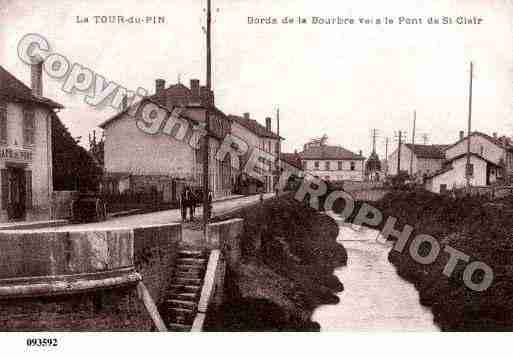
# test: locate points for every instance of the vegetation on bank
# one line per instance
(289, 253)
(473, 225)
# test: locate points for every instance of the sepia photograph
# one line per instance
(170, 167)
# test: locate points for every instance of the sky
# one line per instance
(342, 80)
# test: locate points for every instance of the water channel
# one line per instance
(375, 297)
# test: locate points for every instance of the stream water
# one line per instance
(375, 297)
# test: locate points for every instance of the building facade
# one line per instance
(416, 160)
(332, 163)
(453, 174)
(260, 137)
(25, 148)
(490, 157)
(129, 150)
(497, 150)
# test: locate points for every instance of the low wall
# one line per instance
(155, 252)
(83, 280)
(223, 238)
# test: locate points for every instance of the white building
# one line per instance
(491, 160)
(25, 148)
(158, 161)
(453, 174)
(332, 163)
(417, 160)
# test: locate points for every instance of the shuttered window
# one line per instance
(3, 122)
(4, 183)
(28, 127)
(28, 189)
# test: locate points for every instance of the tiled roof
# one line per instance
(497, 141)
(428, 151)
(253, 126)
(14, 89)
(292, 159)
(447, 166)
(178, 91)
(329, 153)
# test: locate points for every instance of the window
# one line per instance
(353, 166)
(316, 165)
(327, 165)
(339, 165)
(270, 147)
(28, 127)
(3, 122)
(470, 169)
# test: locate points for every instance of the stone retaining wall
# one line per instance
(83, 280)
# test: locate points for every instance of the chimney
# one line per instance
(195, 89)
(462, 135)
(124, 104)
(246, 115)
(206, 96)
(495, 135)
(160, 84)
(268, 123)
(36, 78)
(360, 153)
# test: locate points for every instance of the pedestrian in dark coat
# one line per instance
(192, 203)
(184, 202)
(209, 204)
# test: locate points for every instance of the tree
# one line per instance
(74, 168)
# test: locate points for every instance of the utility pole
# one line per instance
(386, 156)
(467, 172)
(374, 135)
(206, 140)
(400, 137)
(278, 163)
(413, 141)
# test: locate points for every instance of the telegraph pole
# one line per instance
(399, 152)
(278, 163)
(206, 140)
(374, 136)
(467, 171)
(386, 156)
(413, 141)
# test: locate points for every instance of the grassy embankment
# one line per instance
(476, 227)
(289, 255)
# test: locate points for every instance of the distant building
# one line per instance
(332, 163)
(417, 160)
(453, 174)
(491, 161)
(159, 161)
(257, 136)
(292, 162)
(494, 149)
(26, 182)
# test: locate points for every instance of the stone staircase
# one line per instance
(179, 308)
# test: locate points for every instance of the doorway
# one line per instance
(16, 193)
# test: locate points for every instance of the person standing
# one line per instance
(209, 204)
(184, 203)
(192, 203)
